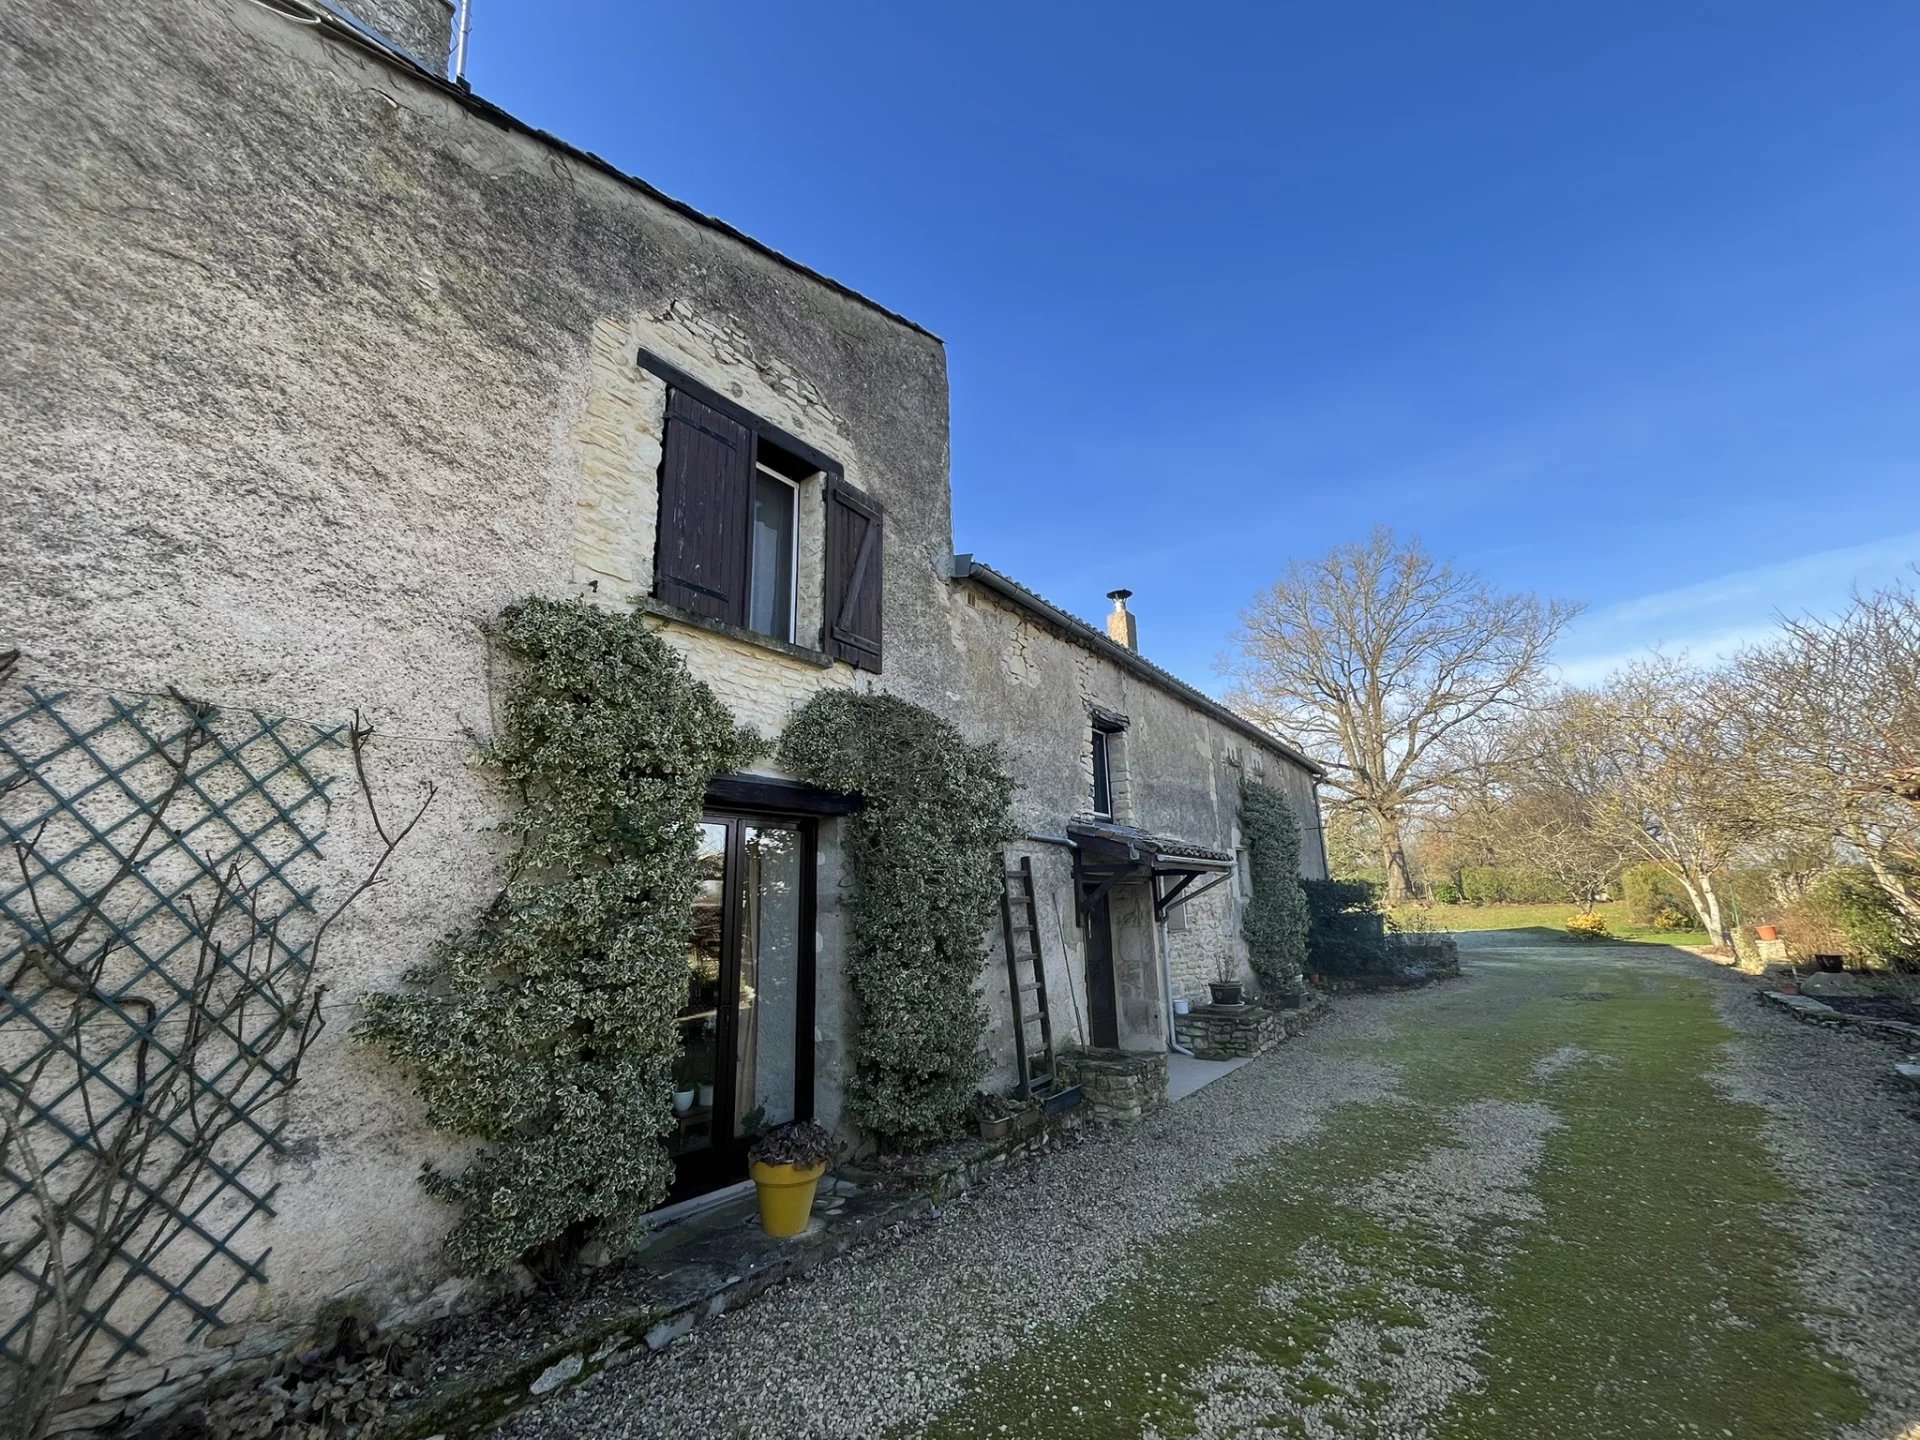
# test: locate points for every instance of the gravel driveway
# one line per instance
(1583, 1192)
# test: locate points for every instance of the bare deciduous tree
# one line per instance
(1381, 661)
(1831, 711)
(1657, 764)
(1552, 829)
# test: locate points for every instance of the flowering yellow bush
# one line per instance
(1589, 927)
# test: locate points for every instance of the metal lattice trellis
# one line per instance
(119, 819)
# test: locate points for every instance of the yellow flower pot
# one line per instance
(786, 1195)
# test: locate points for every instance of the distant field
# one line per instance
(1549, 917)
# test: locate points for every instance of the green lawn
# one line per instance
(1411, 1267)
(1545, 917)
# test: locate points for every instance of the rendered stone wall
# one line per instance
(423, 28)
(367, 359)
(371, 377)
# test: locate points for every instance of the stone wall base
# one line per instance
(1119, 1085)
(1231, 1032)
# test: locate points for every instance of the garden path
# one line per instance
(1586, 1191)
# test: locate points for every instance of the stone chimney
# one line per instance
(1122, 628)
(423, 28)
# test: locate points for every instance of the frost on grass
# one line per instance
(1485, 1179)
(1391, 1366)
(1550, 1065)
(1396, 1350)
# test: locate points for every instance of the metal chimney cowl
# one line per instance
(1122, 628)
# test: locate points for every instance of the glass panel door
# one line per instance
(696, 1076)
(746, 1030)
(766, 1047)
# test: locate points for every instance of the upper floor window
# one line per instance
(1109, 761)
(1102, 773)
(773, 562)
(737, 499)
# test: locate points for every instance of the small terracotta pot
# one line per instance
(996, 1128)
(1767, 932)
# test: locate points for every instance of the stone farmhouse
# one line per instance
(316, 361)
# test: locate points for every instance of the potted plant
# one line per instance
(992, 1115)
(786, 1163)
(1293, 993)
(1225, 985)
(1027, 1118)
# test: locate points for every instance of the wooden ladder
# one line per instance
(1026, 980)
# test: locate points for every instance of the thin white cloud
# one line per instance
(1711, 619)
(1844, 564)
(1702, 649)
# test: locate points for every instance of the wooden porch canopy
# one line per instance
(1106, 855)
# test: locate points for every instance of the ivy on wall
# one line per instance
(925, 854)
(547, 1030)
(1276, 920)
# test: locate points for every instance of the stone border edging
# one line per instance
(1816, 1012)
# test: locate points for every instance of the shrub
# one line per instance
(1508, 885)
(1276, 921)
(925, 853)
(1655, 898)
(547, 1030)
(1591, 926)
(1413, 921)
(1445, 892)
(1347, 933)
(1844, 912)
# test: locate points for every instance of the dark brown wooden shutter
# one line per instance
(855, 575)
(701, 560)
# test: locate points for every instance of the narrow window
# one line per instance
(1102, 776)
(776, 508)
(774, 558)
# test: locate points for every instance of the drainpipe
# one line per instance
(1165, 960)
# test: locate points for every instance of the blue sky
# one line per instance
(1620, 303)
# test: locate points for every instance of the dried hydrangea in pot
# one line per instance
(786, 1163)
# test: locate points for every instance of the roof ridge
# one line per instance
(965, 567)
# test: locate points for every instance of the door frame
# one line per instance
(724, 1161)
(1098, 922)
